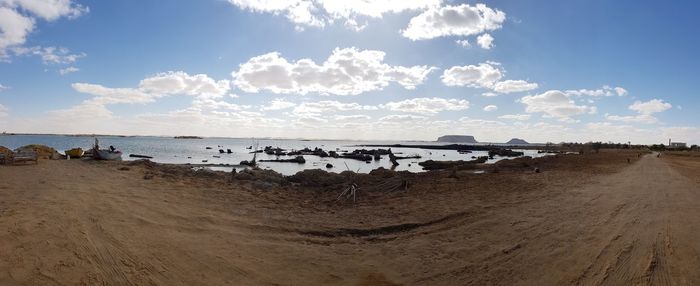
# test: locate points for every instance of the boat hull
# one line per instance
(106, 155)
(75, 152)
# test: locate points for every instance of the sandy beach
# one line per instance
(591, 219)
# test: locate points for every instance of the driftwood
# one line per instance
(350, 191)
(297, 159)
(392, 158)
(360, 157)
(407, 157)
(140, 156)
(252, 163)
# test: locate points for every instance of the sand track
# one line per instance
(637, 226)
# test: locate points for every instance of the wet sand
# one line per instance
(590, 219)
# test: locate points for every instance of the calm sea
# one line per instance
(193, 151)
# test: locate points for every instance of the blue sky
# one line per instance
(539, 70)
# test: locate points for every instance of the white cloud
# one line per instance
(297, 11)
(319, 13)
(489, 94)
(426, 105)
(485, 41)
(372, 8)
(604, 91)
(207, 112)
(47, 10)
(645, 112)
(462, 20)
(347, 71)
(510, 86)
(588, 92)
(329, 106)
(464, 43)
(2, 87)
(555, 103)
(18, 19)
(620, 91)
(68, 70)
(15, 29)
(490, 108)
(170, 83)
(518, 117)
(278, 104)
(106, 95)
(402, 119)
(50, 55)
(205, 90)
(356, 117)
(641, 118)
(483, 75)
(651, 106)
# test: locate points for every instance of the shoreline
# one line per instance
(470, 147)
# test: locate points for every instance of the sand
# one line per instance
(590, 219)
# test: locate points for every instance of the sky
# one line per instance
(543, 71)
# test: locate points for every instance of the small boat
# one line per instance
(75, 152)
(105, 154)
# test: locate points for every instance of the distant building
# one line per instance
(677, 145)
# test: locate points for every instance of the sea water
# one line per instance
(194, 151)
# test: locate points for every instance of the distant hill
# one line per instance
(457, 139)
(517, 141)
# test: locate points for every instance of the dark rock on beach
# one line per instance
(439, 165)
(505, 153)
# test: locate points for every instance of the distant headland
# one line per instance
(471, 140)
(457, 139)
(517, 141)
